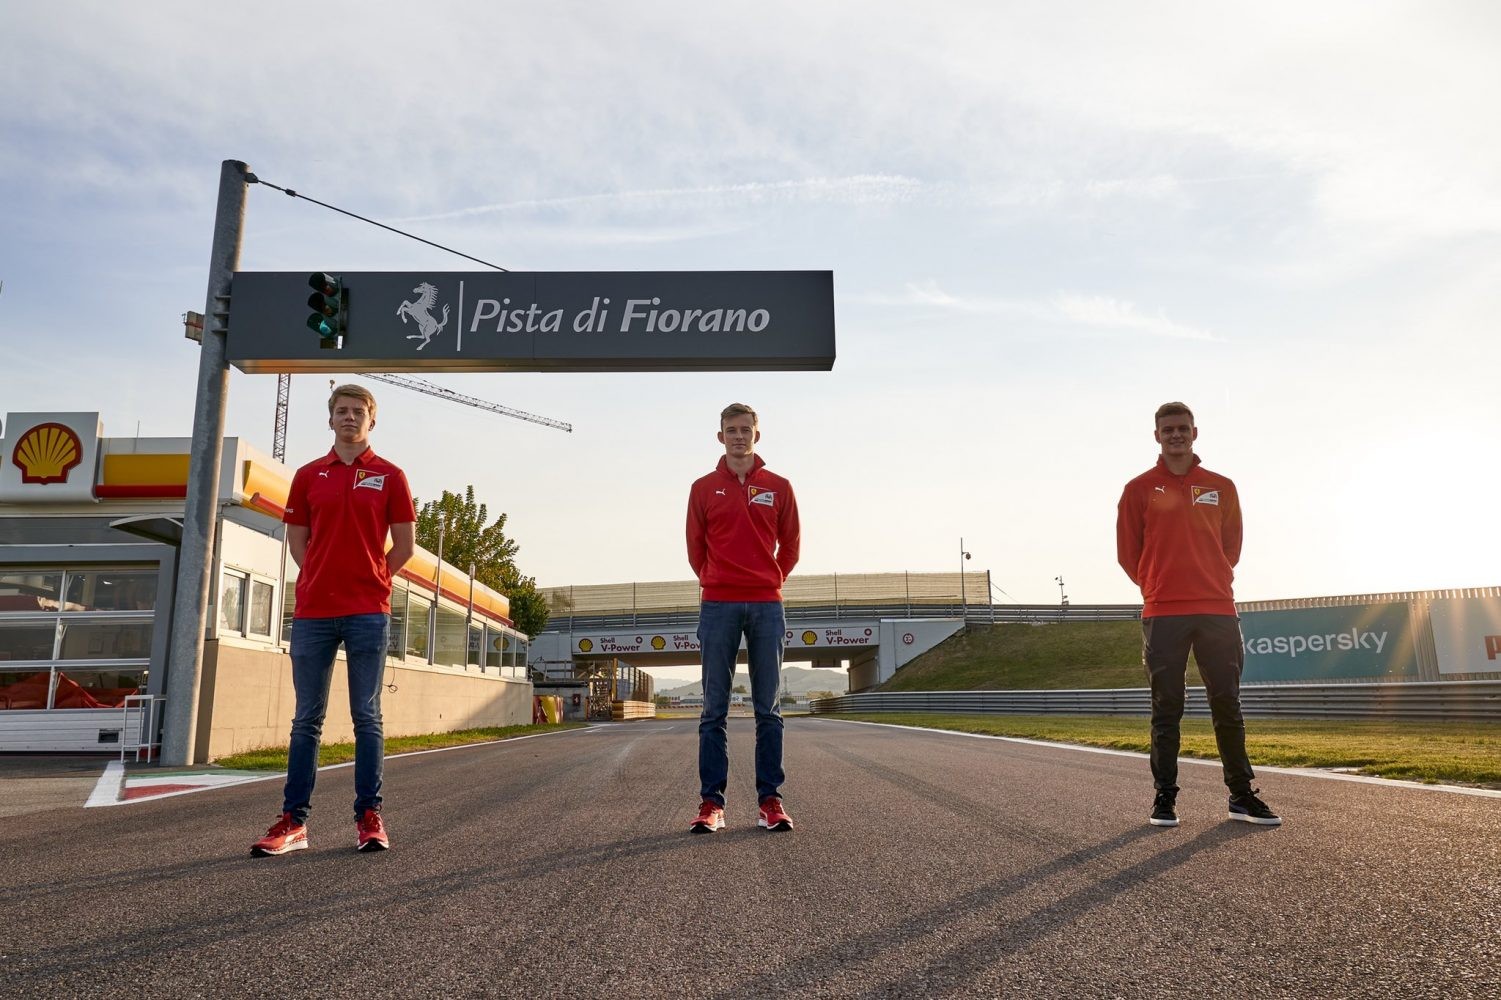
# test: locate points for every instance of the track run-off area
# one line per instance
(923, 864)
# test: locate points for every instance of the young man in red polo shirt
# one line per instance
(340, 510)
(743, 540)
(1178, 536)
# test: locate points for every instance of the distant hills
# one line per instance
(796, 680)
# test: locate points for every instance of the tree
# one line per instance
(467, 540)
(739, 689)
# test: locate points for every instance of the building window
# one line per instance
(74, 637)
(260, 608)
(417, 626)
(394, 641)
(452, 638)
(232, 601)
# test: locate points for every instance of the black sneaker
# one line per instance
(1163, 813)
(1249, 809)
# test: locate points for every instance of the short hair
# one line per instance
(1172, 410)
(353, 392)
(735, 410)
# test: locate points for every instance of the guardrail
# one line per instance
(1470, 701)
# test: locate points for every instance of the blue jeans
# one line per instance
(314, 643)
(720, 626)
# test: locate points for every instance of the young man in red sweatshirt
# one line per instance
(1178, 535)
(743, 540)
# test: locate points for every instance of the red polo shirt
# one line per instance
(348, 511)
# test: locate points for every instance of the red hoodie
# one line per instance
(743, 539)
(1178, 539)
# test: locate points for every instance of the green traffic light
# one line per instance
(322, 327)
(329, 303)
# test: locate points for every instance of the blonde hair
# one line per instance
(353, 392)
(735, 410)
(1172, 410)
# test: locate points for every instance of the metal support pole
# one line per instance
(200, 515)
(963, 598)
(432, 612)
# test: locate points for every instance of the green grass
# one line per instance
(1448, 752)
(1057, 656)
(275, 758)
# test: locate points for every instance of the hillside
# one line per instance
(1055, 656)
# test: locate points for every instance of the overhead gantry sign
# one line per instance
(536, 321)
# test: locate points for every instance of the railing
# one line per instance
(1478, 701)
(141, 739)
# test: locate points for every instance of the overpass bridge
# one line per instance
(876, 622)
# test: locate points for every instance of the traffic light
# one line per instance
(330, 305)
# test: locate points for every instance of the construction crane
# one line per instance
(422, 385)
(284, 393)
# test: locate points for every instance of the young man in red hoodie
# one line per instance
(743, 540)
(1178, 536)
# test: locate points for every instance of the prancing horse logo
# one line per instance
(421, 311)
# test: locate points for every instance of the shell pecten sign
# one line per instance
(47, 453)
(49, 457)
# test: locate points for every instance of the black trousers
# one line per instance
(1216, 644)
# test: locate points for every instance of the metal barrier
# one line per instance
(141, 739)
(1469, 701)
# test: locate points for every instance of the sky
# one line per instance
(1043, 220)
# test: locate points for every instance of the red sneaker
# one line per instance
(710, 818)
(773, 816)
(286, 834)
(372, 832)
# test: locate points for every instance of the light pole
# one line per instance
(963, 597)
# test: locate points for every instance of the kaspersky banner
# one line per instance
(1354, 641)
(537, 321)
(1467, 634)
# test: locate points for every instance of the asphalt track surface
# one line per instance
(923, 864)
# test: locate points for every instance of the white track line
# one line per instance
(111, 796)
(107, 788)
(1304, 772)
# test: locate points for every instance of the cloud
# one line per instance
(1103, 312)
(1099, 312)
(863, 189)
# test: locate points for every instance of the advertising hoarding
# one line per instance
(1372, 641)
(1467, 634)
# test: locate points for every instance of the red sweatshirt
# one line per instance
(743, 539)
(1178, 539)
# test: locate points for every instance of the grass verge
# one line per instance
(275, 758)
(1447, 752)
(1056, 656)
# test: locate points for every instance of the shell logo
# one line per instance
(810, 637)
(658, 643)
(585, 645)
(47, 453)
